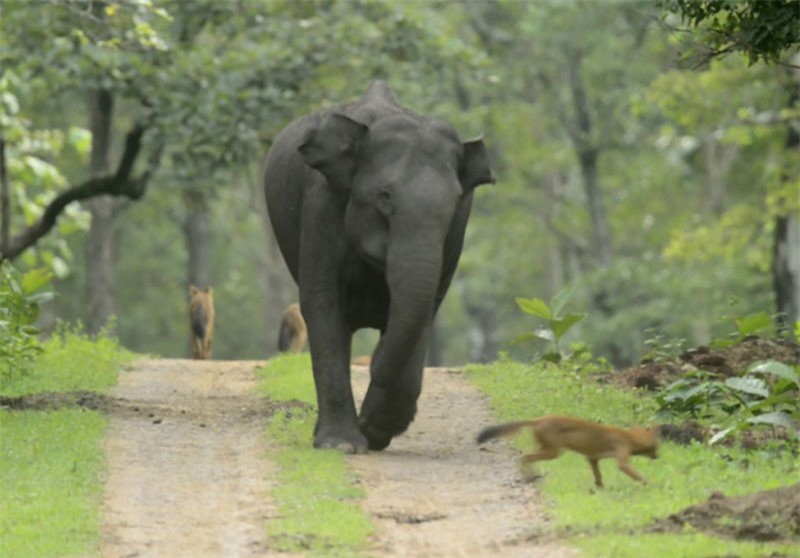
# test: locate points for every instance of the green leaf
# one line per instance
(753, 323)
(778, 418)
(560, 300)
(535, 307)
(720, 435)
(750, 385)
(35, 279)
(776, 368)
(524, 338)
(561, 326)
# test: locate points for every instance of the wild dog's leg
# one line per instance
(598, 479)
(624, 466)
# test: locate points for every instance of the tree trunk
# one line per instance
(483, 345)
(197, 229)
(588, 153)
(786, 244)
(100, 245)
(786, 271)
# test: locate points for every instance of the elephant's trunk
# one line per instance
(413, 273)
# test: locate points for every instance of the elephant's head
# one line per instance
(404, 176)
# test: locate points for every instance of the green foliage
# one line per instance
(601, 522)
(761, 30)
(50, 478)
(316, 496)
(20, 296)
(759, 323)
(738, 403)
(558, 323)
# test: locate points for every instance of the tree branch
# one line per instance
(118, 184)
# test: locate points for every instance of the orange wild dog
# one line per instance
(293, 332)
(201, 318)
(595, 441)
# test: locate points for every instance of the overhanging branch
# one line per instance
(120, 183)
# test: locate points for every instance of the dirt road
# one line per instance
(189, 472)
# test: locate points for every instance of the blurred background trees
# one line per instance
(645, 152)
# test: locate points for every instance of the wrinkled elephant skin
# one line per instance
(369, 202)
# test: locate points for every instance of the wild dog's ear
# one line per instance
(475, 169)
(332, 148)
(193, 290)
(209, 291)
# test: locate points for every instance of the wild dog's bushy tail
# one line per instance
(502, 430)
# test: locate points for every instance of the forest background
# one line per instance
(656, 175)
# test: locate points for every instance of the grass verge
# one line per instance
(316, 497)
(601, 522)
(51, 462)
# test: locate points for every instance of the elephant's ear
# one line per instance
(332, 148)
(475, 168)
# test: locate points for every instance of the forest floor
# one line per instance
(189, 471)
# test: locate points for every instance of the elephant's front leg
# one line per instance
(391, 400)
(329, 341)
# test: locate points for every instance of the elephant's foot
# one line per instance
(384, 415)
(377, 439)
(346, 440)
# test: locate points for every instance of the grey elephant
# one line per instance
(369, 202)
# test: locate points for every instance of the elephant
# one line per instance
(369, 202)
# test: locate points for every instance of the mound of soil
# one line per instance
(719, 362)
(770, 515)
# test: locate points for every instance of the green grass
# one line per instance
(71, 361)
(52, 462)
(50, 469)
(604, 519)
(317, 501)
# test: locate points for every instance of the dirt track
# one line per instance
(189, 472)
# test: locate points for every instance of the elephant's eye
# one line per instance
(384, 203)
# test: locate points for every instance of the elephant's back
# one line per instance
(284, 176)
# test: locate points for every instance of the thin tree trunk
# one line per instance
(786, 243)
(588, 154)
(197, 229)
(100, 244)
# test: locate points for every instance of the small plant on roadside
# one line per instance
(557, 323)
(769, 393)
(20, 297)
(759, 323)
(660, 347)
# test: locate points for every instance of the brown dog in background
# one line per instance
(595, 441)
(293, 334)
(201, 319)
